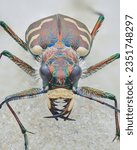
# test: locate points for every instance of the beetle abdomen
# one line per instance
(48, 31)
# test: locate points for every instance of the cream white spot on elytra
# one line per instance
(85, 39)
(32, 39)
(37, 50)
(82, 51)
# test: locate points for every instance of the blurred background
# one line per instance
(94, 128)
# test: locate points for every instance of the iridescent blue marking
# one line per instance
(67, 40)
(53, 40)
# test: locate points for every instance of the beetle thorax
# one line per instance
(59, 51)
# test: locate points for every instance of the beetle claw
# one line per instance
(30, 132)
(117, 137)
(51, 117)
(60, 116)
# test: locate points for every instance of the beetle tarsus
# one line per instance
(24, 132)
(117, 137)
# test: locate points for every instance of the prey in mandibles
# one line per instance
(59, 43)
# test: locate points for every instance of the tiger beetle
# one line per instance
(59, 43)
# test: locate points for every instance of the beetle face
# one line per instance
(60, 70)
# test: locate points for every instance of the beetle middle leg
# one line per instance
(24, 66)
(24, 94)
(92, 69)
(23, 130)
(92, 94)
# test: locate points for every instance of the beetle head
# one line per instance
(60, 69)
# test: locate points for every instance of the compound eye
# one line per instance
(45, 73)
(75, 74)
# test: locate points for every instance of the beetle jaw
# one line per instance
(64, 95)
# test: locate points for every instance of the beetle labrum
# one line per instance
(59, 43)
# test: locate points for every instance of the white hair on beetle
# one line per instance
(37, 74)
(82, 64)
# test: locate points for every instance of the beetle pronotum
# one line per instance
(59, 43)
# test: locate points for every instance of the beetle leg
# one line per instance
(97, 25)
(24, 66)
(23, 130)
(13, 35)
(91, 94)
(92, 69)
(24, 94)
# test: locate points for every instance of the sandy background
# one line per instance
(94, 127)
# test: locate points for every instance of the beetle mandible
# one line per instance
(59, 43)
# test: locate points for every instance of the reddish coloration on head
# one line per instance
(61, 76)
(60, 37)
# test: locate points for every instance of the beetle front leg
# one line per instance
(92, 69)
(92, 94)
(23, 130)
(13, 35)
(24, 94)
(24, 66)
